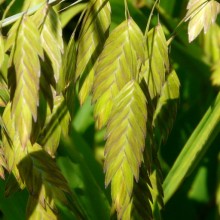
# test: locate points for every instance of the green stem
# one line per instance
(71, 5)
(150, 17)
(127, 14)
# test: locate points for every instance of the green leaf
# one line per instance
(25, 47)
(92, 37)
(125, 134)
(201, 15)
(194, 149)
(118, 63)
(157, 62)
(51, 36)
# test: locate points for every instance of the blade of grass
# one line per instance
(194, 149)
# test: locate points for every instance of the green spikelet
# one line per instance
(24, 38)
(47, 20)
(201, 15)
(166, 108)
(126, 132)
(157, 62)
(92, 38)
(118, 64)
(12, 150)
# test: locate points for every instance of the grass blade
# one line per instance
(194, 149)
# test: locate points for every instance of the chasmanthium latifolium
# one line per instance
(125, 72)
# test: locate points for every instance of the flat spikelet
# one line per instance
(118, 63)
(157, 62)
(24, 38)
(166, 108)
(201, 15)
(92, 38)
(47, 20)
(126, 132)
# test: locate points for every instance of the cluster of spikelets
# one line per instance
(134, 91)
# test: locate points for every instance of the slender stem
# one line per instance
(78, 23)
(150, 17)
(127, 14)
(7, 9)
(74, 3)
(6, 12)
